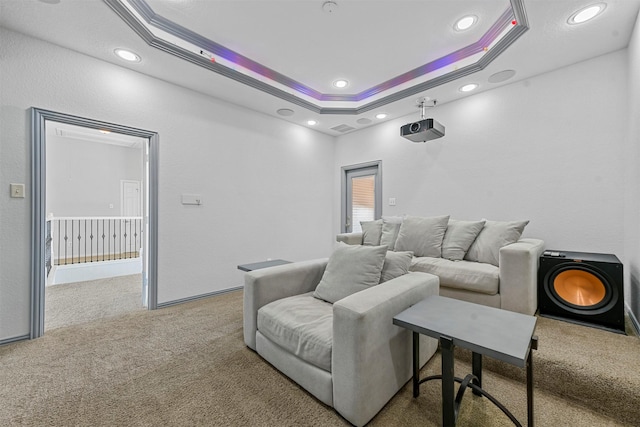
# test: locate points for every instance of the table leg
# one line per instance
(534, 346)
(448, 404)
(476, 364)
(416, 364)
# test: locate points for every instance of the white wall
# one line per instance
(632, 178)
(266, 184)
(548, 149)
(83, 177)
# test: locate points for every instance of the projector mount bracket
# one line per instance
(422, 104)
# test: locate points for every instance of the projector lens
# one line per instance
(415, 127)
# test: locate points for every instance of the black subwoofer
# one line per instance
(582, 287)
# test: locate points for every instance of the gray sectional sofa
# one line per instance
(484, 262)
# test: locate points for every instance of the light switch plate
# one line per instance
(17, 190)
(392, 201)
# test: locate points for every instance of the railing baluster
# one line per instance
(91, 243)
(79, 239)
(65, 242)
(103, 239)
(59, 239)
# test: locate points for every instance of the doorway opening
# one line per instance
(83, 236)
(361, 195)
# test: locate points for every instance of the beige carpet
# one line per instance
(75, 303)
(187, 365)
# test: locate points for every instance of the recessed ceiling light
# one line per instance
(127, 55)
(468, 88)
(465, 23)
(312, 122)
(381, 115)
(363, 121)
(341, 83)
(587, 13)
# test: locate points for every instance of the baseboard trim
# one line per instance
(634, 320)
(197, 297)
(14, 339)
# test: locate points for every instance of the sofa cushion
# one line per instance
(302, 325)
(371, 231)
(459, 237)
(395, 265)
(390, 229)
(423, 236)
(470, 276)
(494, 235)
(350, 269)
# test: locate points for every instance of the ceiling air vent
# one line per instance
(342, 128)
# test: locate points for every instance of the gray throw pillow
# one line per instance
(494, 235)
(396, 264)
(350, 269)
(459, 237)
(390, 229)
(422, 236)
(371, 231)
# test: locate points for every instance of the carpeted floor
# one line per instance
(187, 365)
(75, 303)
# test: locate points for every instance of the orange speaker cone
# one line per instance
(579, 287)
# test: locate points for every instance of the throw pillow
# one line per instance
(395, 265)
(390, 228)
(351, 269)
(494, 235)
(371, 231)
(459, 237)
(422, 236)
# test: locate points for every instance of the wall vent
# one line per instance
(342, 128)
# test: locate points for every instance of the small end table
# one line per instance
(501, 334)
(262, 264)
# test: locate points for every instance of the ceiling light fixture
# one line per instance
(469, 87)
(586, 14)
(381, 116)
(127, 55)
(465, 23)
(312, 122)
(341, 83)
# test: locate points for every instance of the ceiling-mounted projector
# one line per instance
(425, 129)
(422, 131)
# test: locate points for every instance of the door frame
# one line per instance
(38, 197)
(377, 164)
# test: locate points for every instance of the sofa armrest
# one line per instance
(350, 238)
(270, 284)
(519, 275)
(371, 357)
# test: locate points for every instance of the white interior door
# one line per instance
(131, 200)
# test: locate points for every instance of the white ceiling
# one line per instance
(364, 41)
